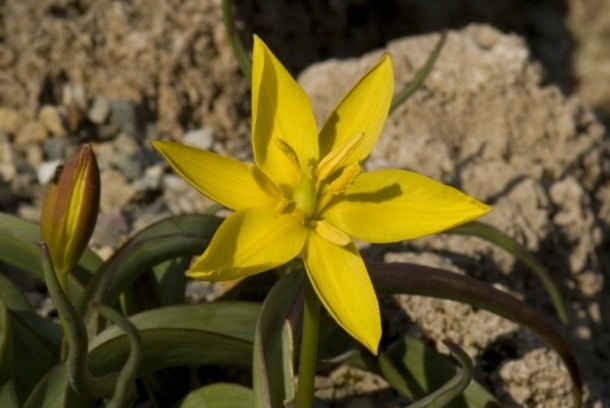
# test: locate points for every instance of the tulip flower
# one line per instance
(70, 210)
(306, 193)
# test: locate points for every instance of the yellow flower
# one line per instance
(70, 210)
(305, 194)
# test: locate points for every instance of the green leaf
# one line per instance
(449, 391)
(273, 342)
(19, 247)
(426, 281)
(219, 395)
(24, 334)
(425, 370)
(172, 280)
(32, 335)
(421, 75)
(6, 352)
(168, 239)
(13, 298)
(53, 391)
(187, 335)
(88, 262)
(500, 239)
(8, 398)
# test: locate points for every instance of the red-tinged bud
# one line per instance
(70, 210)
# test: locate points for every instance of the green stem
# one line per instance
(309, 347)
(421, 75)
(125, 387)
(80, 378)
(238, 49)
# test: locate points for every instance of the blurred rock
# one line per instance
(10, 121)
(54, 148)
(116, 191)
(7, 165)
(99, 110)
(31, 133)
(46, 171)
(50, 117)
(202, 138)
(124, 115)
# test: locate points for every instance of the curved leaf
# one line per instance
(88, 262)
(443, 396)
(19, 247)
(171, 238)
(187, 335)
(427, 281)
(24, 334)
(219, 395)
(273, 342)
(500, 239)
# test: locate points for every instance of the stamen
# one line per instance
(288, 151)
(332, 233)
(334, 159)
(285, 206)
(349, 174)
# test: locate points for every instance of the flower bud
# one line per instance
(70, 209)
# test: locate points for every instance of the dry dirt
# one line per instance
(509, 119)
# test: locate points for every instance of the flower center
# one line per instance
(318, 184)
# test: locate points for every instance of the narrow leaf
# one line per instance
(426, 281)
(273, 342)
(421, 75)
(500, 239)
(168, 239)
(8, 398)
(452, 388)
(6, 352)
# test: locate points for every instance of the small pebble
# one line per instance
(50, 117)
(124, 115)
(126, 144)
(99, 110)
(202, 138)
(10, 121)
(31, 133)
(8, 170)
(34, 155)
(129, 168)
(46, 171)
(54, 148)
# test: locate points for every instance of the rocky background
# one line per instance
(513, 114)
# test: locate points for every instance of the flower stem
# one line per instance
(309, 347)
(238, 49)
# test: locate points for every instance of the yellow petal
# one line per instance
(393, 205)
(363, 110)
(280, 110)
(344, 287)
(248, 242)
(227, 181)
